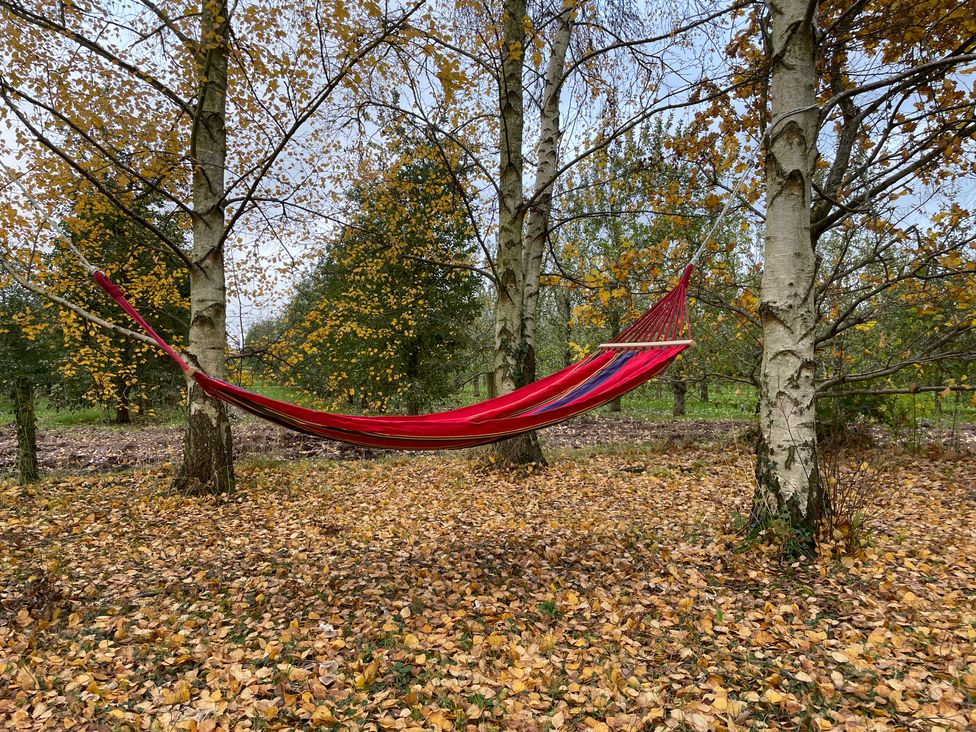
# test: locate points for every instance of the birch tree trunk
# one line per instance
(208, 465)
(511, 211)
(788, 486)
(547, 153)
(509, 346)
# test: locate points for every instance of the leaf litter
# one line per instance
(610, 592)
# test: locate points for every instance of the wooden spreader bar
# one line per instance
(647, 344)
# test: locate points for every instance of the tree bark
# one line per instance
(679, 388)
(208, 465)
(703, 389)
(509, 345)
(413, 398)
(511, 211)
(539, 213)
(122, 411)
(787, 477)
(23, 398)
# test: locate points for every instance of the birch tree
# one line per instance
(523, 224)
(509, 269)
(883, 97)
(786, 468)
(539, 216)
(208, 456)
(525, 75)
(149, 91)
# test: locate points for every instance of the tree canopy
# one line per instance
(383, 320)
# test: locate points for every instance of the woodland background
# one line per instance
(402, 207)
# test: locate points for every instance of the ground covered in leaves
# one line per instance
(610, 591)
(96, 449)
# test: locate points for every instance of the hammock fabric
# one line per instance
(605, 375)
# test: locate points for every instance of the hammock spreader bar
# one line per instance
(607, 374)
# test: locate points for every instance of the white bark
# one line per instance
(509, 264)
(547, 153)
(786, 471)
(207, 449)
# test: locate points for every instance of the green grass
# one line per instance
(652, 401)
(905, 408)
(49, 417)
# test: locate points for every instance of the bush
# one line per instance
(852, 489)
(838, 417)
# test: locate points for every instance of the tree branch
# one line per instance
(90, 317)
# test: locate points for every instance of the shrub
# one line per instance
(852, 490)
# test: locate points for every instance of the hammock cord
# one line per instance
(721, 217)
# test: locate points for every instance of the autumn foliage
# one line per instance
(610, 593)
(383, 319)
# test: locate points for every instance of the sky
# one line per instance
(255, 249)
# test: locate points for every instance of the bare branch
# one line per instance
(41, 21)
(265, 165)
(915, 71)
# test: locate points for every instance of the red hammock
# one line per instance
(637, 355)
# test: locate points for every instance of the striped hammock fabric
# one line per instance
(646, 348)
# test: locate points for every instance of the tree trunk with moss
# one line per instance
(24, 417)
(539, 213)
(788, 485)
(509, 344)
(679, 390)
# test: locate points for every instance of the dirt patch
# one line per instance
(101, 448)
(96, 449)
(601, 430)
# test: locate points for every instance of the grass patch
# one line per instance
(53, 417)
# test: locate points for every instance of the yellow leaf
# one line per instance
(323, 715)
(439, 721)
(25, 680)
(773, 696)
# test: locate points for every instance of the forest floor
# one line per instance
(99, 448)
(612, 590)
